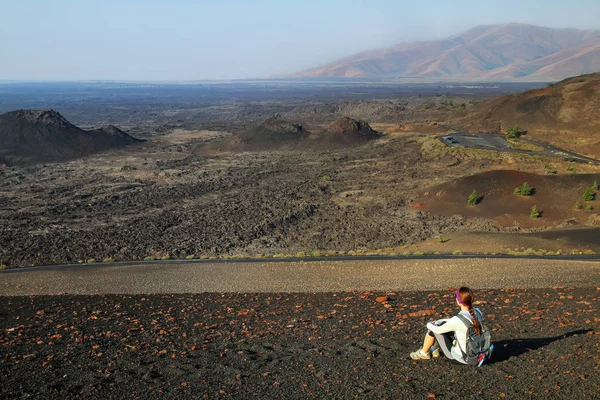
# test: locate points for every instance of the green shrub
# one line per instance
(589, 207)
(534, 213)
(514, 132)
(571, 169)
(588, 195)
(578, 206)
(595, 185)
(108, 259)
(326, 178)
(91, 261)
(442, 239)
(524, 190)
(473, 199)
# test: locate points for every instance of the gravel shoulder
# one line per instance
(319, 276)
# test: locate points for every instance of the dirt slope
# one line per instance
(554, 196)
(34, 136)
(564, 114)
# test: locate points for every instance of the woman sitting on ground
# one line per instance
(450, 335)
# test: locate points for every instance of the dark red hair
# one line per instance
(464, 295)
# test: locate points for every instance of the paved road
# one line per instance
(497, 142)
(300, 276)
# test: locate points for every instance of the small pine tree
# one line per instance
(534, 213)
(524, 190)
(588, 195)
(473, 198)
(513, 132)
(595, 185)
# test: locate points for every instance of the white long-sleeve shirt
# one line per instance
(455, 325)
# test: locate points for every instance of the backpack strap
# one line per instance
(468, 324)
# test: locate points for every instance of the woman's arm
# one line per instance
(449, 326)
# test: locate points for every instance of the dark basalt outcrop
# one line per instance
(36, 136)
(274, 132)
(348, 130)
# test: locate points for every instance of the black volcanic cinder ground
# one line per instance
(342, 345)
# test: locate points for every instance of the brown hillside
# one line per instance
(565, 114)
(554, 196)
(35, 136)
(491, 52)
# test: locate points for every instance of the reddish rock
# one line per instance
(421, 313)
(417, 206)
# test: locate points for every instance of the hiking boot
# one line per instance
(435, 353)
(420, 355)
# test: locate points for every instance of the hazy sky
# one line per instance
(205, 39)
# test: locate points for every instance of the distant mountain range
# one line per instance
(505, 52)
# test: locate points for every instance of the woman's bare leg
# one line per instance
(427, 343)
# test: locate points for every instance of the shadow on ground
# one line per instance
(507, 349)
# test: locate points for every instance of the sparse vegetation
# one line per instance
(472, 102)
(534, 213)
(524, 190)
(108, 259)
(442, 239)
(91, 261)
(473, 199)
(578, 206)
(550, 169)
(326, 178)
(571, 169)
(433, 149)
(449, 103)
(595, 186)
(589, 207)
(2, 267)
